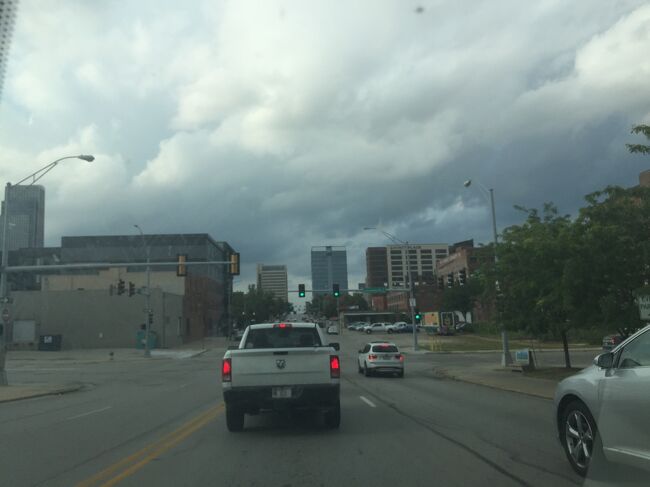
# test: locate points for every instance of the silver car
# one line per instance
(377, 357)
(603, 411)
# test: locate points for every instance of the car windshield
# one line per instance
(469, 179)
(290, 337)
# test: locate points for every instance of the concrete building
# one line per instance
(26, 217)
(7, 20)
(422, 260)
(203, 293)
(329, 265)
(376, 267)
(273, 278)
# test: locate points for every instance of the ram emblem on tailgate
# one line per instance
(280, 363)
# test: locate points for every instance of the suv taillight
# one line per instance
(372, 357)
(400, 357)
(226, 370)
(335, 367)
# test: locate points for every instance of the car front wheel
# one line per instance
(579, 436)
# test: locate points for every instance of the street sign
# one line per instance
(5, 315)
(644, 306)
(374, 290)
(412, 302)
(522, 356)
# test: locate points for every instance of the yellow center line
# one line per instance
(156, 448)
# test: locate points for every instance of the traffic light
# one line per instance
(450, 279)
(301, 290)
(441, 283)
(418, 316)
(234, 264)
(131, 289)
(462, 277)
(120, 287)
(150, 316)
(181, 268)
(335, 290)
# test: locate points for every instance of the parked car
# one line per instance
(610, 341)
(357, 325)
(395, 327)
(408, 328)
(376, 357)
(374, 327)
(602, 411)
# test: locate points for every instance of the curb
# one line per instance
(53, 392)
(445, 352)
(445, 374)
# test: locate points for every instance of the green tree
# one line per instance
(532, 270)
(462, 298)
(257, 306)
(612, 236)
(640, 148)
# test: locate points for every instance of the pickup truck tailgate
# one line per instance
(280, 367)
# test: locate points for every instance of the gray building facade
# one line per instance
(329, 266)
(26, 222)
(273, 278)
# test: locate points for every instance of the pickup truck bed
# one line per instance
(280, 367)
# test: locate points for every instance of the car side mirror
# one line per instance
(335, 346)
(604, 360)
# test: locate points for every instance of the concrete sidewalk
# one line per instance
(507, 379)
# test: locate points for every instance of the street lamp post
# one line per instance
(4, 288)
(506, 358)
(147, 351)
(408, 282)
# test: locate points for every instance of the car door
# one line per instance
(624, 421)
(362, 355)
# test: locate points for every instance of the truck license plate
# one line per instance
(281, 392)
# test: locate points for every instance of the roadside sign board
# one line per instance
(522, 356)
(412, 302)
(374, 290)
(644, 306)
(5, 315)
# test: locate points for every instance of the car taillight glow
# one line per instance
(400, 357)
(372, 357)
(226, 370)
(282, 325)
(335, 366)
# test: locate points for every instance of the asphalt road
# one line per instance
(161, 423)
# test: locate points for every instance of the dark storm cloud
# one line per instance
(278, 126)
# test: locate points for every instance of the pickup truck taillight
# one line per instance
(335, 367)
(226, 370)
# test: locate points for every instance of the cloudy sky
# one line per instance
(278, 125)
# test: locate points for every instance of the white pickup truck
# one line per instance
(278, 367)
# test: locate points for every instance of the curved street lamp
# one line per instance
(4, 294)
(506, 358)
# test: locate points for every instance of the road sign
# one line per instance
(374, 290)
(5, 315)
(522, 356)
(644, 306)
(412, 302)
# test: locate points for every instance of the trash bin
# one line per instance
(153, 340)
(50, 343)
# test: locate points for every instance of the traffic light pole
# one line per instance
(409, 282)
(147, 325)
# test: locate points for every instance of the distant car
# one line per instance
(610, 341)
(376, 357)
(333, 330)
(356, 325)
(395, 327)
(407, 328)
(601, 413)
(374, 327)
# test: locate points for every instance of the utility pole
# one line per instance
(147, 351)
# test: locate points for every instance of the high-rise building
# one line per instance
(7, 20)
(25, 225)
(422, 260)
(329, 266)
(376, 267)
(273, 278)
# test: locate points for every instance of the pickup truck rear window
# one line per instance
(282, 338)
(384, 348)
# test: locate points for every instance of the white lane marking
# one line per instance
(368, 401)
(89, 413)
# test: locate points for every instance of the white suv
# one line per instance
(380, 357)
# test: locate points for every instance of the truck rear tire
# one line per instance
(333, 416)
(234, 419)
